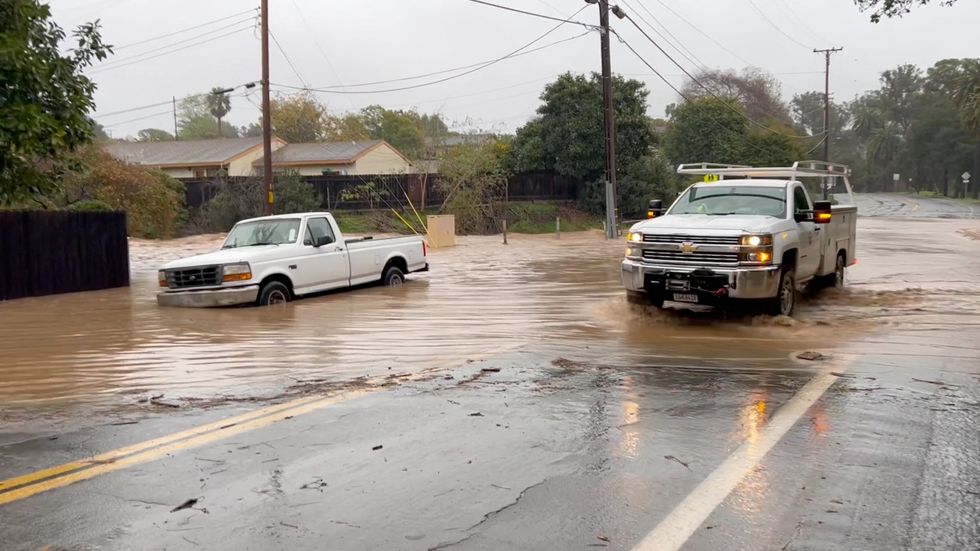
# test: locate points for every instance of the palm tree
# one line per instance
(219, 104)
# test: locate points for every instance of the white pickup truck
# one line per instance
(745, 233)
(270, 260)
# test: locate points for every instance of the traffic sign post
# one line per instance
(966, 183)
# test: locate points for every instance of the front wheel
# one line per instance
(785, 301)
(393, 277)
(273, 293)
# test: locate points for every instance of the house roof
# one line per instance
(328, 153)
(182, 153)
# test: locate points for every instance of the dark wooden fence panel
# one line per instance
(381, 191)
(43, 253)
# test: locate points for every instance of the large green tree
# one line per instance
(219, 105)
(299, 118)
(759, 93)
(402, 129)
(567, 135)
(154, 135)
(195, 121)
(45, 99)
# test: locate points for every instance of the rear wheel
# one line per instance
(393, 277)
(272, 293)
(839, 271)
(785, 301)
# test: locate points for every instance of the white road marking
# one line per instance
(674, 531)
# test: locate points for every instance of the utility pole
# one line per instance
(826, 100)
(266, 115)
(175, 118)
(609, 122)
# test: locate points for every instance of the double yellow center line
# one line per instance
(30, 484)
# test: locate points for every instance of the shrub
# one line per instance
(153, 201)
(294, 195)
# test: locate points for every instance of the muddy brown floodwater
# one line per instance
(113, 348)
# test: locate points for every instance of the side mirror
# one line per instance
(803, 216)
(655, 209)
(822, 212)
(322, 240)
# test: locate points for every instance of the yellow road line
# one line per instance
(115, 455)
(162, 451)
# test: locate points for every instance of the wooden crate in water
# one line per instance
(442, 230)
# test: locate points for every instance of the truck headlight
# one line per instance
(634, 237)
(162, 277)
(236, 272)
(761, 240)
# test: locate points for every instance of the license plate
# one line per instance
(684, 297)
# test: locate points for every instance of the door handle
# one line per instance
(338, 249)
(818, 228)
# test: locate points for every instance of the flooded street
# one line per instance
(510, 398)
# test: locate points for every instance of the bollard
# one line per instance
(558, 226)
(505, 231)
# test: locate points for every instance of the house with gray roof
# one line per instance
(241, 157)
(194, 158)
(347, 158)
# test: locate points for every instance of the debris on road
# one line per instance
(316, 484)
(476, 414)
(185, 505)
(603, 538)
(674, 459)
(811, 356)
(376, 448)
(490, 370)
(157, 402)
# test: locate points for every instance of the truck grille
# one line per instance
(193, 277)
(696, 239)
(696, 258)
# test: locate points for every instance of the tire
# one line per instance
(785, 300)
(273, 293)
(839, 272)
(836, 279)
(393, 277)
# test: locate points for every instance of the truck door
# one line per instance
(809, 256)
(324, 267)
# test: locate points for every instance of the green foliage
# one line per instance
(90, 205)
(153, 201)
(218, 103)
(649, 177)
(292, 194)
(44, 97)
(894, 8)
(402, 129)
(299, 118)
(759, 93)
(196, 122)
(567, 135)
(236, 199)
(474, 179)
(154, 135)
(706, 130)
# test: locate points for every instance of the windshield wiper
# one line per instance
(261, 243)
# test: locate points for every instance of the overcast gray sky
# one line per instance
(335, 43)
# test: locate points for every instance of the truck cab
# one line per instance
(745, 233)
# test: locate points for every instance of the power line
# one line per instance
(541, 15)
(775, 26)
(168, 102)
(451, 77)
(703, 34)
(677, 44)
(121, 60)
(454, 69)
(702, 85)
(181, 31)
(288, 61)
(212, 39)
(714, 121)
(319, 47)
(800, 21)
(120, 123)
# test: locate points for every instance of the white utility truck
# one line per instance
(757, 233)
(270, 260)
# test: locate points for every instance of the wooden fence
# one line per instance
(44, 253)
(379, 191)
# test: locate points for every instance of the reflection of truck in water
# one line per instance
(745, 233)
(273, 259)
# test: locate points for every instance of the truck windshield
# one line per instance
(720, 200)
(263, 232)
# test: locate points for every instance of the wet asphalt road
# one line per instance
(622, 430)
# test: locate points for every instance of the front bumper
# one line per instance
(207, 298)
(707, 283)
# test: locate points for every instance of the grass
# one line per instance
(532, 218)
(936, 195)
